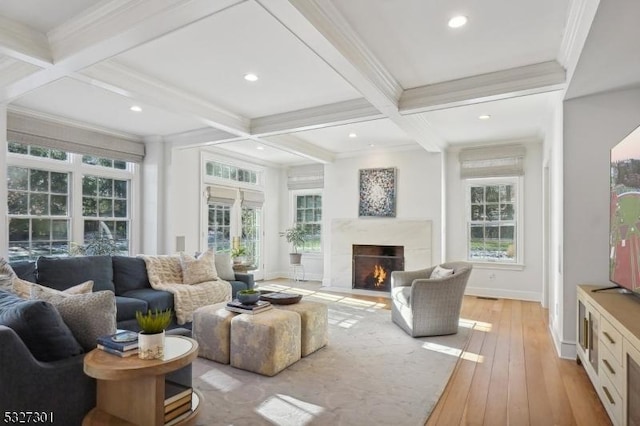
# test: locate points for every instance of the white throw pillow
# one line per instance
(224, 268)
(200, 269)
(440, 272)
(23, 288)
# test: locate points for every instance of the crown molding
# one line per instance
(345, 112)
(526, 80)
(579, 21)
(24, 44)
(237, 158)
(380, 150)
(128, 82)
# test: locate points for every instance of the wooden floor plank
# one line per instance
(518, 412)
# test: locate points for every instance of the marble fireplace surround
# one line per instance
(414, 235)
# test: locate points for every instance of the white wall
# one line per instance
(523, 283)
(592, 126)
(419, 192)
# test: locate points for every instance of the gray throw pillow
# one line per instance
(88, 316)
(223, 267)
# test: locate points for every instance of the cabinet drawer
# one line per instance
(607, 365)
(610, 399)
(611, 339)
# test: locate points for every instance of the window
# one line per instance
(233, 173)
(42, 199)
(219, 229)
(38, 208)
(308, 214)
(492, 218)
(105, 210)
(251, 232)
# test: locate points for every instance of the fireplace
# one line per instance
(373, 264)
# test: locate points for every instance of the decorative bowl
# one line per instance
(248, 298)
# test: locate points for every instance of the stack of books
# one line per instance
(260, 306)
(177, 402)
(122, 344)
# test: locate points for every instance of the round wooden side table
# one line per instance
(131, 391)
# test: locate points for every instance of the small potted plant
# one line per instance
(239, 254)
(296, 237)
(248, 297)
(151, 338)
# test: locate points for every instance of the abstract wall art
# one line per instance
(378, 192)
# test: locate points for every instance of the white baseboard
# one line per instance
(564, 349)
(529, 296)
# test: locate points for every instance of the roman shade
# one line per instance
(254, 199)
(221, 194)
(310, 176)
(492, 161)
(28, 130)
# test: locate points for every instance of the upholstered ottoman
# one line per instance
(265, 343)
(314, 324)
(211, 329)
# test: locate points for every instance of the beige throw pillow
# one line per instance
(6, 275)
(23, 288)
(88, 316)
(200, 269)
(440, 272)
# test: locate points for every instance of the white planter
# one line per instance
(150, 346)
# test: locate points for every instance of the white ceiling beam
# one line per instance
(526, 80)
(201, 137)
(24, 44)
(125, 81)
(297, 146)
(110, 29)
(339, 113)
(320, 26)
(12, 70)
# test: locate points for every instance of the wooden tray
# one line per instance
(281, 298)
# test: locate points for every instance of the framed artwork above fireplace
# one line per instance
(377, 192)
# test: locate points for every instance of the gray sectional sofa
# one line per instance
(41, 363)
(126, 276)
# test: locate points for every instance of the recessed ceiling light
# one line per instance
(135, 108)
(371, 145)
(260, 148)
(251, 77)
(457, 21)
(484, 117)
(353, 135)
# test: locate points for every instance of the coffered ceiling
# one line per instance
(391, 72)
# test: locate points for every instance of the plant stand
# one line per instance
(296, 270)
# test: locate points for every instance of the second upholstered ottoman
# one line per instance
(211, 328)
(314, 324)
(265, 343)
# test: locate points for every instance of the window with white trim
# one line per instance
(41, 199)
(492, 220)
(308, 215)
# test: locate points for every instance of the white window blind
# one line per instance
(493, 161)
(35, 131)
(221, 194)
(306, 177)
(253, 199)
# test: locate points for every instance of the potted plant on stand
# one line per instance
(239, 255)
(296, 237)
(151, 338)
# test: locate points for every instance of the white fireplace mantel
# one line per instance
(414, 235)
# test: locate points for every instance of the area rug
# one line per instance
(371, 373)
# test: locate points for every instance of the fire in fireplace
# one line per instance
(372, 266)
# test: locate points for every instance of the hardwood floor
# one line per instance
(510, 373)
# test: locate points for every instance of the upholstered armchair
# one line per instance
(424, 306)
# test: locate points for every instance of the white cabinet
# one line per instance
(608, 348)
